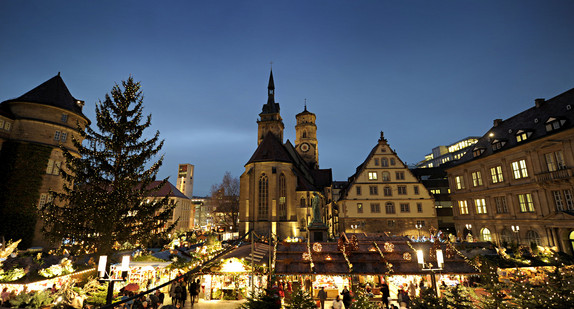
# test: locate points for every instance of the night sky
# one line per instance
(427, 73)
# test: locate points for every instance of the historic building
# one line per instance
(281, 179)
(184, 211)
(384, 196)
(516, 183)
(33, 127)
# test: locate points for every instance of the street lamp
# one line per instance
(429, 266)
(354, 227)
(419, 226)
(516, 229)
(104, 275)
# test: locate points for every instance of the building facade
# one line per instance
(445, 154)
(280, 179)
(33, 127)
(384, 196)
(185, 179)
(183, 213)
(516, 185)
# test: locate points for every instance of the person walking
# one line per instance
(338, 304)
(385, 294)
(322, 297)
(172, 292)
(346, 297)
(404, 299)
(192, 291)
(182, 294)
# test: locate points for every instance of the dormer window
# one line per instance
(497, 144)
(64, 118)
(478, 151)
(554, 124)
(522, 135)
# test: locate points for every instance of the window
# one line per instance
(63, 137)
(64, 118)
(282, 198)
(421, 223)
(390, 208)
(459, 182)
(386, 176)
(391, 223)
(402, 190)
(533, 238)
(496, 173)
(405, 207)
(392, 161)
(373, 190)
(522, 135)
(435, 191)
(500, 203)
(387, 191)
(400, 175)
(416, 189)
(558, 200)
(477, 152)
(507, 236)
(384, 162)
(480, 204)
(519, 169)
(463, 207)
(376, 161)
(263, 210)
(42, 201)
(554, 124)
(485, 235)
(358, 190)
(554, 161)
(568, 198)
(497, 144)
(302, 202)
(7, 126)
(1, 124)
(375, 207)
(57, 135)
(53, 167)
(372, 175)
(476, 179)
(360, 208)
(525, 202)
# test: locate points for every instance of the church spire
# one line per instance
(271, 90)
(270, 118)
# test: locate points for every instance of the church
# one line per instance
(283, 191)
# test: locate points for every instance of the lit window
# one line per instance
(525, 202)
(500, 203)
(419, 207)
(522, 135)
(476, 179)
(485, 235)
(375, 208)
(1, 124)
(373, 190)
(405, 207)
(435, 191)
(496, 173)
(360, 208)
(554, 161)
(519, 169)
(390, 208)
(402, 190)
(459, 182)
(480, 204)
(372, 175)
(463, 207)
(387, 191)
(7, 126)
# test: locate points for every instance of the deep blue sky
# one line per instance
(426, 73)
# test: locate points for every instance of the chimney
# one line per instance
(539, 102)
(496, 122)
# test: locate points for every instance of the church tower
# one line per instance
(306, 138)
(270, 119)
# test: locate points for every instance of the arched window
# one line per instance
(572, 239)
(282, 198)
(533, 237)
(485, 235)
(304, 134)
(302, 202)
(507, 236)
(263, 197)
(386, 176)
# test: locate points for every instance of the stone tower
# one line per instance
(306, 138)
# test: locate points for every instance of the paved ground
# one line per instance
(219, 304)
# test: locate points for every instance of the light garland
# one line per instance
(387, 264)
(347, 258)
(467, 260)
(312, 265)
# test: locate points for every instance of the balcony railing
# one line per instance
(555, 175)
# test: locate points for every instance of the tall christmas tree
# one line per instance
(108, 183)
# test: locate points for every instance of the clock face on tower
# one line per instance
(305, 147)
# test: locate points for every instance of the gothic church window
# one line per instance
(263, 197)
(282, 198)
